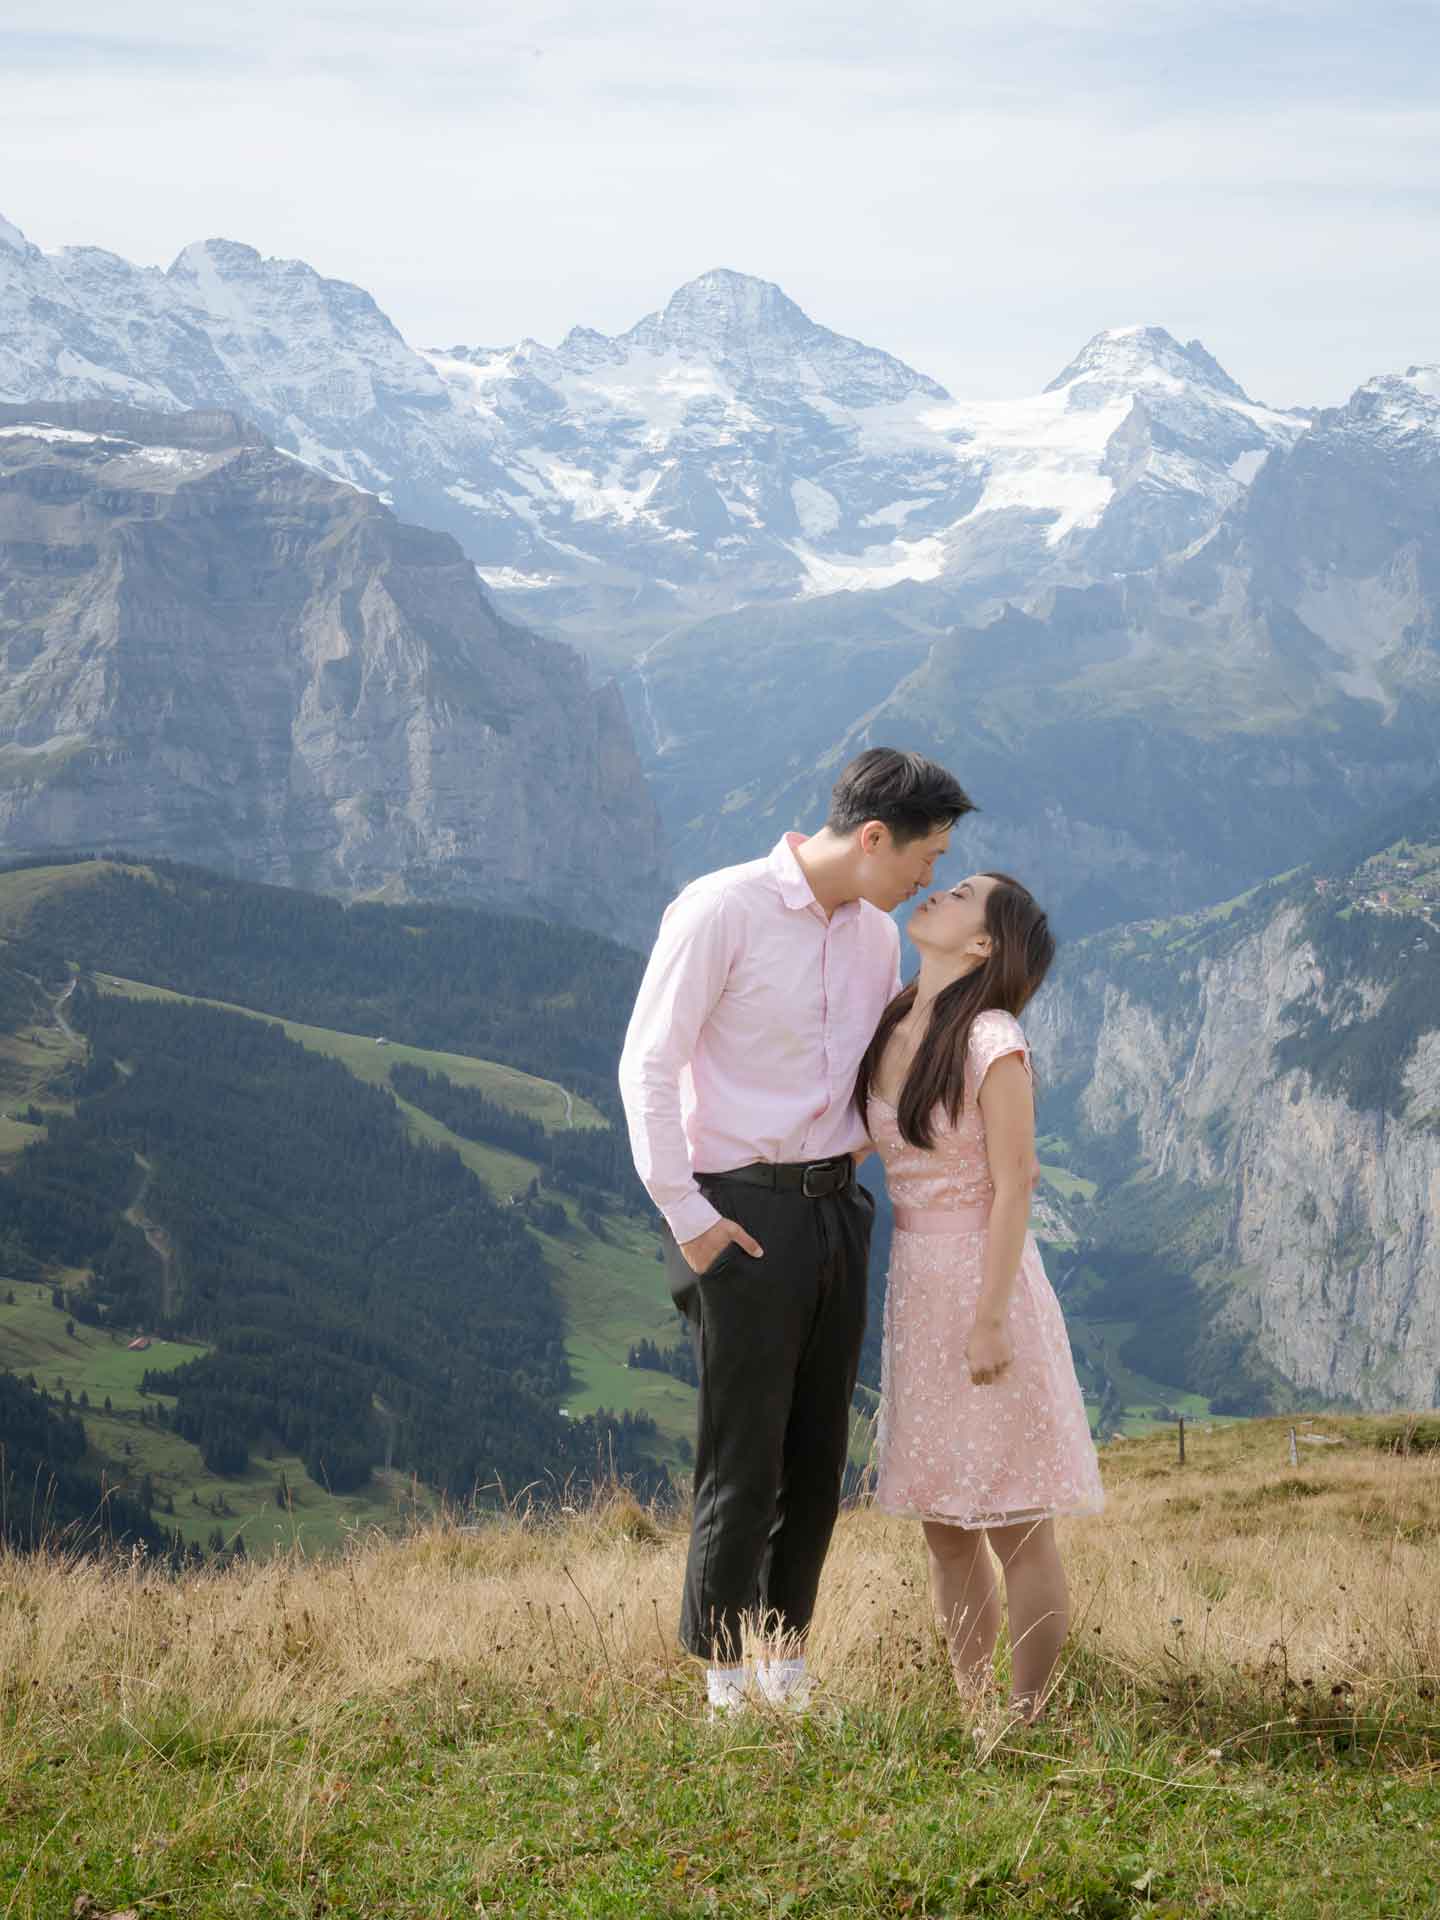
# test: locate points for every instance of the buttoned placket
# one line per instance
(834, 925)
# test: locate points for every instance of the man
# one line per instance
(765, 986)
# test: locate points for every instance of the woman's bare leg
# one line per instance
(967, 1605)
(1038, 1604)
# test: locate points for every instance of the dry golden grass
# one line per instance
(496, 1719)
(1238, 1573)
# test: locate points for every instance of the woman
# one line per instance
(983, 1431)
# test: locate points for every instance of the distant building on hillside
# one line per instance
(139, 1344)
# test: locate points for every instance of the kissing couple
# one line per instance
(773, 1046)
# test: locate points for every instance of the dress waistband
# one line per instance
(973, 1219)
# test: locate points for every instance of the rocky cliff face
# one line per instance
(210, 650)
(1281, 1059)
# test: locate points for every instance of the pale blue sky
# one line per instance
(974, 186)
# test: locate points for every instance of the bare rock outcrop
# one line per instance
(210, 650)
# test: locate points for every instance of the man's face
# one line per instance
(891, 875)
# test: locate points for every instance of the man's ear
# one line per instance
(872, 836)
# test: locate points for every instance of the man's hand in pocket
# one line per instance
(706, 1248)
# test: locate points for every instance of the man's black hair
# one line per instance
(909, 794)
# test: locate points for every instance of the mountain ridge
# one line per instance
(724, 451)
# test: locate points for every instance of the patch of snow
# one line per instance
(177, 459)
(74, 366)
(918, 560)
(816, 508)
(1245, 466)
(1041, 456)
(474, 384)
(896, 514)
(468, 497)
(588, 497)
(221, 300)
(61, 436)
(656, 397)
(319, 460)
(511, 580)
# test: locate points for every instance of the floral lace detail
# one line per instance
(973, 1456)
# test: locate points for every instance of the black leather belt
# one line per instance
(816, 1179)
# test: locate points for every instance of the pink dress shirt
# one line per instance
(749, 1028)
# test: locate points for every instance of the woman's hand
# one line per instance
(990, 1353)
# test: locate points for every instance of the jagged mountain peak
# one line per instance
(208, 264)
(1131, 356)
(280, 324)
(12, 237)
(722, 302)
(1394, 406)
(754, 330)
(217, 253)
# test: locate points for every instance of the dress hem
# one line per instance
(976, 1523)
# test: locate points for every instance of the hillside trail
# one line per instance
(158, 1240)
(59, 1012)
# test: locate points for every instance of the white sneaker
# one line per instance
(785, 1683)
(727, 1690)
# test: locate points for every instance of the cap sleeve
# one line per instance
(993, 1035)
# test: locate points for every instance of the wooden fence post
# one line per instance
(1294, 1450)
(1181, 1425)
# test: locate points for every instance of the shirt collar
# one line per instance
(795, 889)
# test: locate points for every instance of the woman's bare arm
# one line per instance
(1008, 1107)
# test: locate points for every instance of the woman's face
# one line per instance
(953, 922)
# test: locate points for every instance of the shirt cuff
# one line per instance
(690, 1217)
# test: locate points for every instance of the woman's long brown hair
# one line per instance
(1021, 949)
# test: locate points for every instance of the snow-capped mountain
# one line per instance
(1168, 633)
(1139, 744)
(727, 451)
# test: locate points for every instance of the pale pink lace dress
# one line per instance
(974, 1456)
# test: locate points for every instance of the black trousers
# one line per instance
(777, 1347)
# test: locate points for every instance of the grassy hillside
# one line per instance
(370, 1057)
(274, 1504)
(612, 1285)
(496, 1720)
(604, 1270)
(548, 999)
